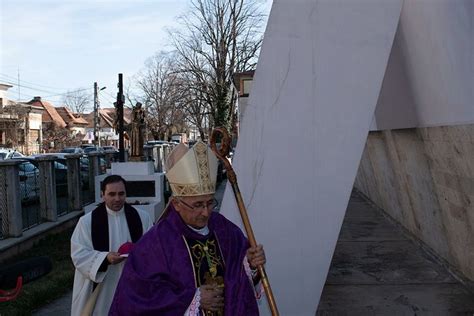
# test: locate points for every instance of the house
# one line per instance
(74, 121)
(243, 83)
(50, 115)
(107, 127)
(20, 124)
(61, 127)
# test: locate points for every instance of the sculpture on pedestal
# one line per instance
(137, 132)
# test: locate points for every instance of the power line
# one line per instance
(109, 98)
(27, 87)
(66, 93)
(114, 97)
(31, 83)
(51, 93)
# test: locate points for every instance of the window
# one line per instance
(245, 87)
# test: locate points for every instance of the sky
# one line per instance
(49, 47)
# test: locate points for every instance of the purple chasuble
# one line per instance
(158, 278)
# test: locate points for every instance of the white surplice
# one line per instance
(87, 260)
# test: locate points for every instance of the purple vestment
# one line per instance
(158, 278)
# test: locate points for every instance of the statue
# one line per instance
(137, 132)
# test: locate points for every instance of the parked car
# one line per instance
(84, 165)
(90, 149)
(29, 186)
(60, 171)
(157, 142)
(72, 150)
(109, 148)
(8, 153)
(61, 164)
(29, 175)
(28, 171)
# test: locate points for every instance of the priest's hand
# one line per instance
(114, 258)
(256, 256)
(212, 297)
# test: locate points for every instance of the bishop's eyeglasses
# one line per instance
(202, 205)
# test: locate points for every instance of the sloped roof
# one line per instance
(110, 113)
(107, 117)
(50, 114)
(70, 118)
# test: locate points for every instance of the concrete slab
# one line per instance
(379, 270)
(426, 299)
(358, 209)
(367, 229)
(379, 262)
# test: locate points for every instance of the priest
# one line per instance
(96, 250)
(193, 261)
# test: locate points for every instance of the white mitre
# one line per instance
(192, 171)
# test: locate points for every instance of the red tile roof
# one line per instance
(107, 117)
(70, 118)
(50, 114)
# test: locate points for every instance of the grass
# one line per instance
(49, 287)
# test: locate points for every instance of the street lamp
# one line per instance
(96, 114)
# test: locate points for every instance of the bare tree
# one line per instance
(57, 136)
(162, 97)
(218, 38)
(78, 100)
(13, 123)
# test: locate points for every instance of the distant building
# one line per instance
(20, 124)
(107, 127)
(74, 122)
(61, 127)
(243, 83)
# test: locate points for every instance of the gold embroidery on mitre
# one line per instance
(199, 162)
(200, 152)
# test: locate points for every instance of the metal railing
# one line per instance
(41, 189)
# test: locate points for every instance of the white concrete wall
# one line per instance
(430, 74)
(303, 132)
(424, 178)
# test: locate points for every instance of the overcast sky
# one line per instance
(61, 45)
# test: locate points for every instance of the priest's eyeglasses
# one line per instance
(201, 205)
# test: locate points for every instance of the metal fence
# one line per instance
(40, 189)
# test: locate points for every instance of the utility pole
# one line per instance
(96, 116)
(19, 94)
(120, 102)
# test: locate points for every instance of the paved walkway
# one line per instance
(378, 270)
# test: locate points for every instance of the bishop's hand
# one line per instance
(256, 256)
(212, 297)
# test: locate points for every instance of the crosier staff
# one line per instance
(222, 155)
